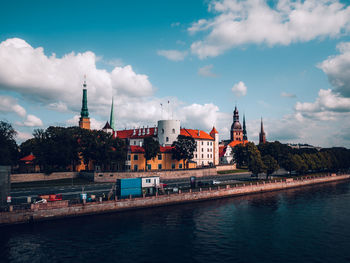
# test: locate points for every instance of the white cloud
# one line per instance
(23, 136)
(58, 106)
(255, 21)
(37, 77)
(9, 104)
(31, 121)
(288, 95)
(239, 89)
(206, 71)
(337, 68)
(174, 55)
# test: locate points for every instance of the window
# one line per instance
(134, 142)
(100, 175)
(202, 143)
(173, 130)
(211, 156)
(211, 143)
(202, 156)
(180, 165)
(162, 130)
(135, 167)
(167, 139)
(111, 175)
(129, 157)
(159, 157)
(208, 155)
(148, 181)
(202, 150)
(172, 166)
(195, 155)
(159, 167)
(136, 157)
(207, 143)
(149, 167)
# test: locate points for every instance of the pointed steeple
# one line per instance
(245, 136)
(84, 113)
(112, 117)
(262, 136)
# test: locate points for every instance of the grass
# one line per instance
(233, 171)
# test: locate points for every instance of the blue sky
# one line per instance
(285, 61)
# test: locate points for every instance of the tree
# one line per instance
(152, 149)
(270, 164)
(240, 154)
(183, 148)
(8, 145)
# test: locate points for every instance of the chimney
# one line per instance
(199, 133)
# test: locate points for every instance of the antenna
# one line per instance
(84, 85)
(161, 106)
(168, 111)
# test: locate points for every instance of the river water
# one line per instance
(309, 224)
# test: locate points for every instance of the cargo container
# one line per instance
(129, 183)
(126, 192)
(152, 181)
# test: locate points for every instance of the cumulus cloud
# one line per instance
(9, 104)
(174, 55)
(31, 121)
(243, 22)
(337, 68)
(288, 95)
(206, 71)
(239, 89)
(48, 79)
(23, 136)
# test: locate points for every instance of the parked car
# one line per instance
(216, 182)
(175, 189)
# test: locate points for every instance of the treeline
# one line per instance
(270, 156)
(59, 149)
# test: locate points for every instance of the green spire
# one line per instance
(84, 113)
(112, 118)
(245, 137)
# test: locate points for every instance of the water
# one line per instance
(299, 225)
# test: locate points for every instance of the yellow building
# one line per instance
(136, 160)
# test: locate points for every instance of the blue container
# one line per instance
(126, 192)
(129, 183)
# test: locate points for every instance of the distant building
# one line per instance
(262, 136)
(236, 133)
(84, 121)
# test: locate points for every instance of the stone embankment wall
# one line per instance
(31, 177)
(65, 210)
(226, 167)
(164, 174)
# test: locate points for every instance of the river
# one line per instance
(309, 224)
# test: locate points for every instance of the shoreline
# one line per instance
(61, 209)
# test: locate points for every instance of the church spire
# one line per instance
(262, 136)
(245, 136)
(112, 117)
(84, 121)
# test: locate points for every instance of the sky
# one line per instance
(286, 61)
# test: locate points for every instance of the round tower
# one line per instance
(168, 130)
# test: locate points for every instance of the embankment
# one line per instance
(63, 209)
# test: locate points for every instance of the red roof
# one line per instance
(213, 131)
(222, 150)
(235, 143)
(165, 149)
(196, 134)
(137, 149)
(139, 133)
(28, 158)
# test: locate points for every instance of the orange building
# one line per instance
(136, 160)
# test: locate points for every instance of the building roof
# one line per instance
(222, 150)
(107, 126)
(213, 131)
(196, 134)
(28, 158)
(138, 133)
(235, 143)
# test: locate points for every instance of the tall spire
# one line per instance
(245, 137)
(84, 113)
(262, 136)
(84, 121)
(112, 117)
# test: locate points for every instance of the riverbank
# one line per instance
(63, 209)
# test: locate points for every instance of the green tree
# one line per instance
(255, 163)
(270, 164)
(240, 155)
(183, 148)
(151, 147)
(8, 145)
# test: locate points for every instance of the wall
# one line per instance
(5, 186)
(173, 174)
(227, 167)
(166, 162)
(113, 206)
(20, 178)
